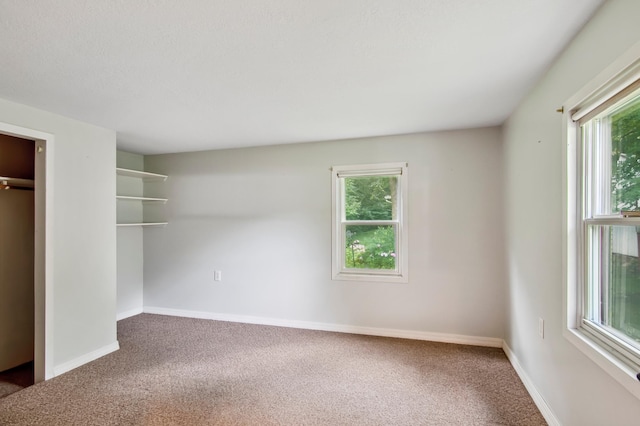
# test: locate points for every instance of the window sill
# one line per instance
(621, 372)
(341, 276)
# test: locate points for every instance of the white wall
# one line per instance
(263, 217)
(130, 275)
(83, 236)
(578, 392)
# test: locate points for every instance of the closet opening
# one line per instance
(17, 257)
(25, 276)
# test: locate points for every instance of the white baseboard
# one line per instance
(91, 356)
(542, 405)
(341, 328)
(129, 313)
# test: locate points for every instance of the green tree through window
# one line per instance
(622, 308)
(625, 158)
(370, 199)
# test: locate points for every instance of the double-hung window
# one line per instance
(608, 222)
(370, 222)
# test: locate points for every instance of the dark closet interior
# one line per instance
(16, 263)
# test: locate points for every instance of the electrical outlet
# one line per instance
(541, 328)
(217, 275)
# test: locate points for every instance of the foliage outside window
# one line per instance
(610, 225)
(369, 222)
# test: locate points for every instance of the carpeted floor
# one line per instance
(181, 371)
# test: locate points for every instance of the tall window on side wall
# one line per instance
(370, 222)
(609, 222)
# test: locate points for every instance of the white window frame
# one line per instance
(601, 348)
(338, 221)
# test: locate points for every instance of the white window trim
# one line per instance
(337, 251)
(615, 77)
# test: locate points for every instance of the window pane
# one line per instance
(370, 247)
(371, 198)
(617, 284)
(623, 305)
(625, 157)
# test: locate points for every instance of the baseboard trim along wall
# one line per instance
(340, 328)
(129, 313)
(84, 359)
(535, 395)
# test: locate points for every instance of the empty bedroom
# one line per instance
(420, 212)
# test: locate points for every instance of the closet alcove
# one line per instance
(17, 157)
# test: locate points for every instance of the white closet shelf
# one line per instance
(16, 182)
(143, 224)
(147, 176)
(143, 199)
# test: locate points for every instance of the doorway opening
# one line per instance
(17, 254)
(26, 279)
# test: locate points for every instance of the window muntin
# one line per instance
(610, 145)
(369, 222)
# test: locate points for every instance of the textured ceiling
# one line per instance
(188, 75)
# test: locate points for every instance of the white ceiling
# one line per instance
(188, 75)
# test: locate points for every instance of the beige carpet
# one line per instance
(180, 371)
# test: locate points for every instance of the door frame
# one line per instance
(43, 244)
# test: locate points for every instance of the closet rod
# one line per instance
(15, 183)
